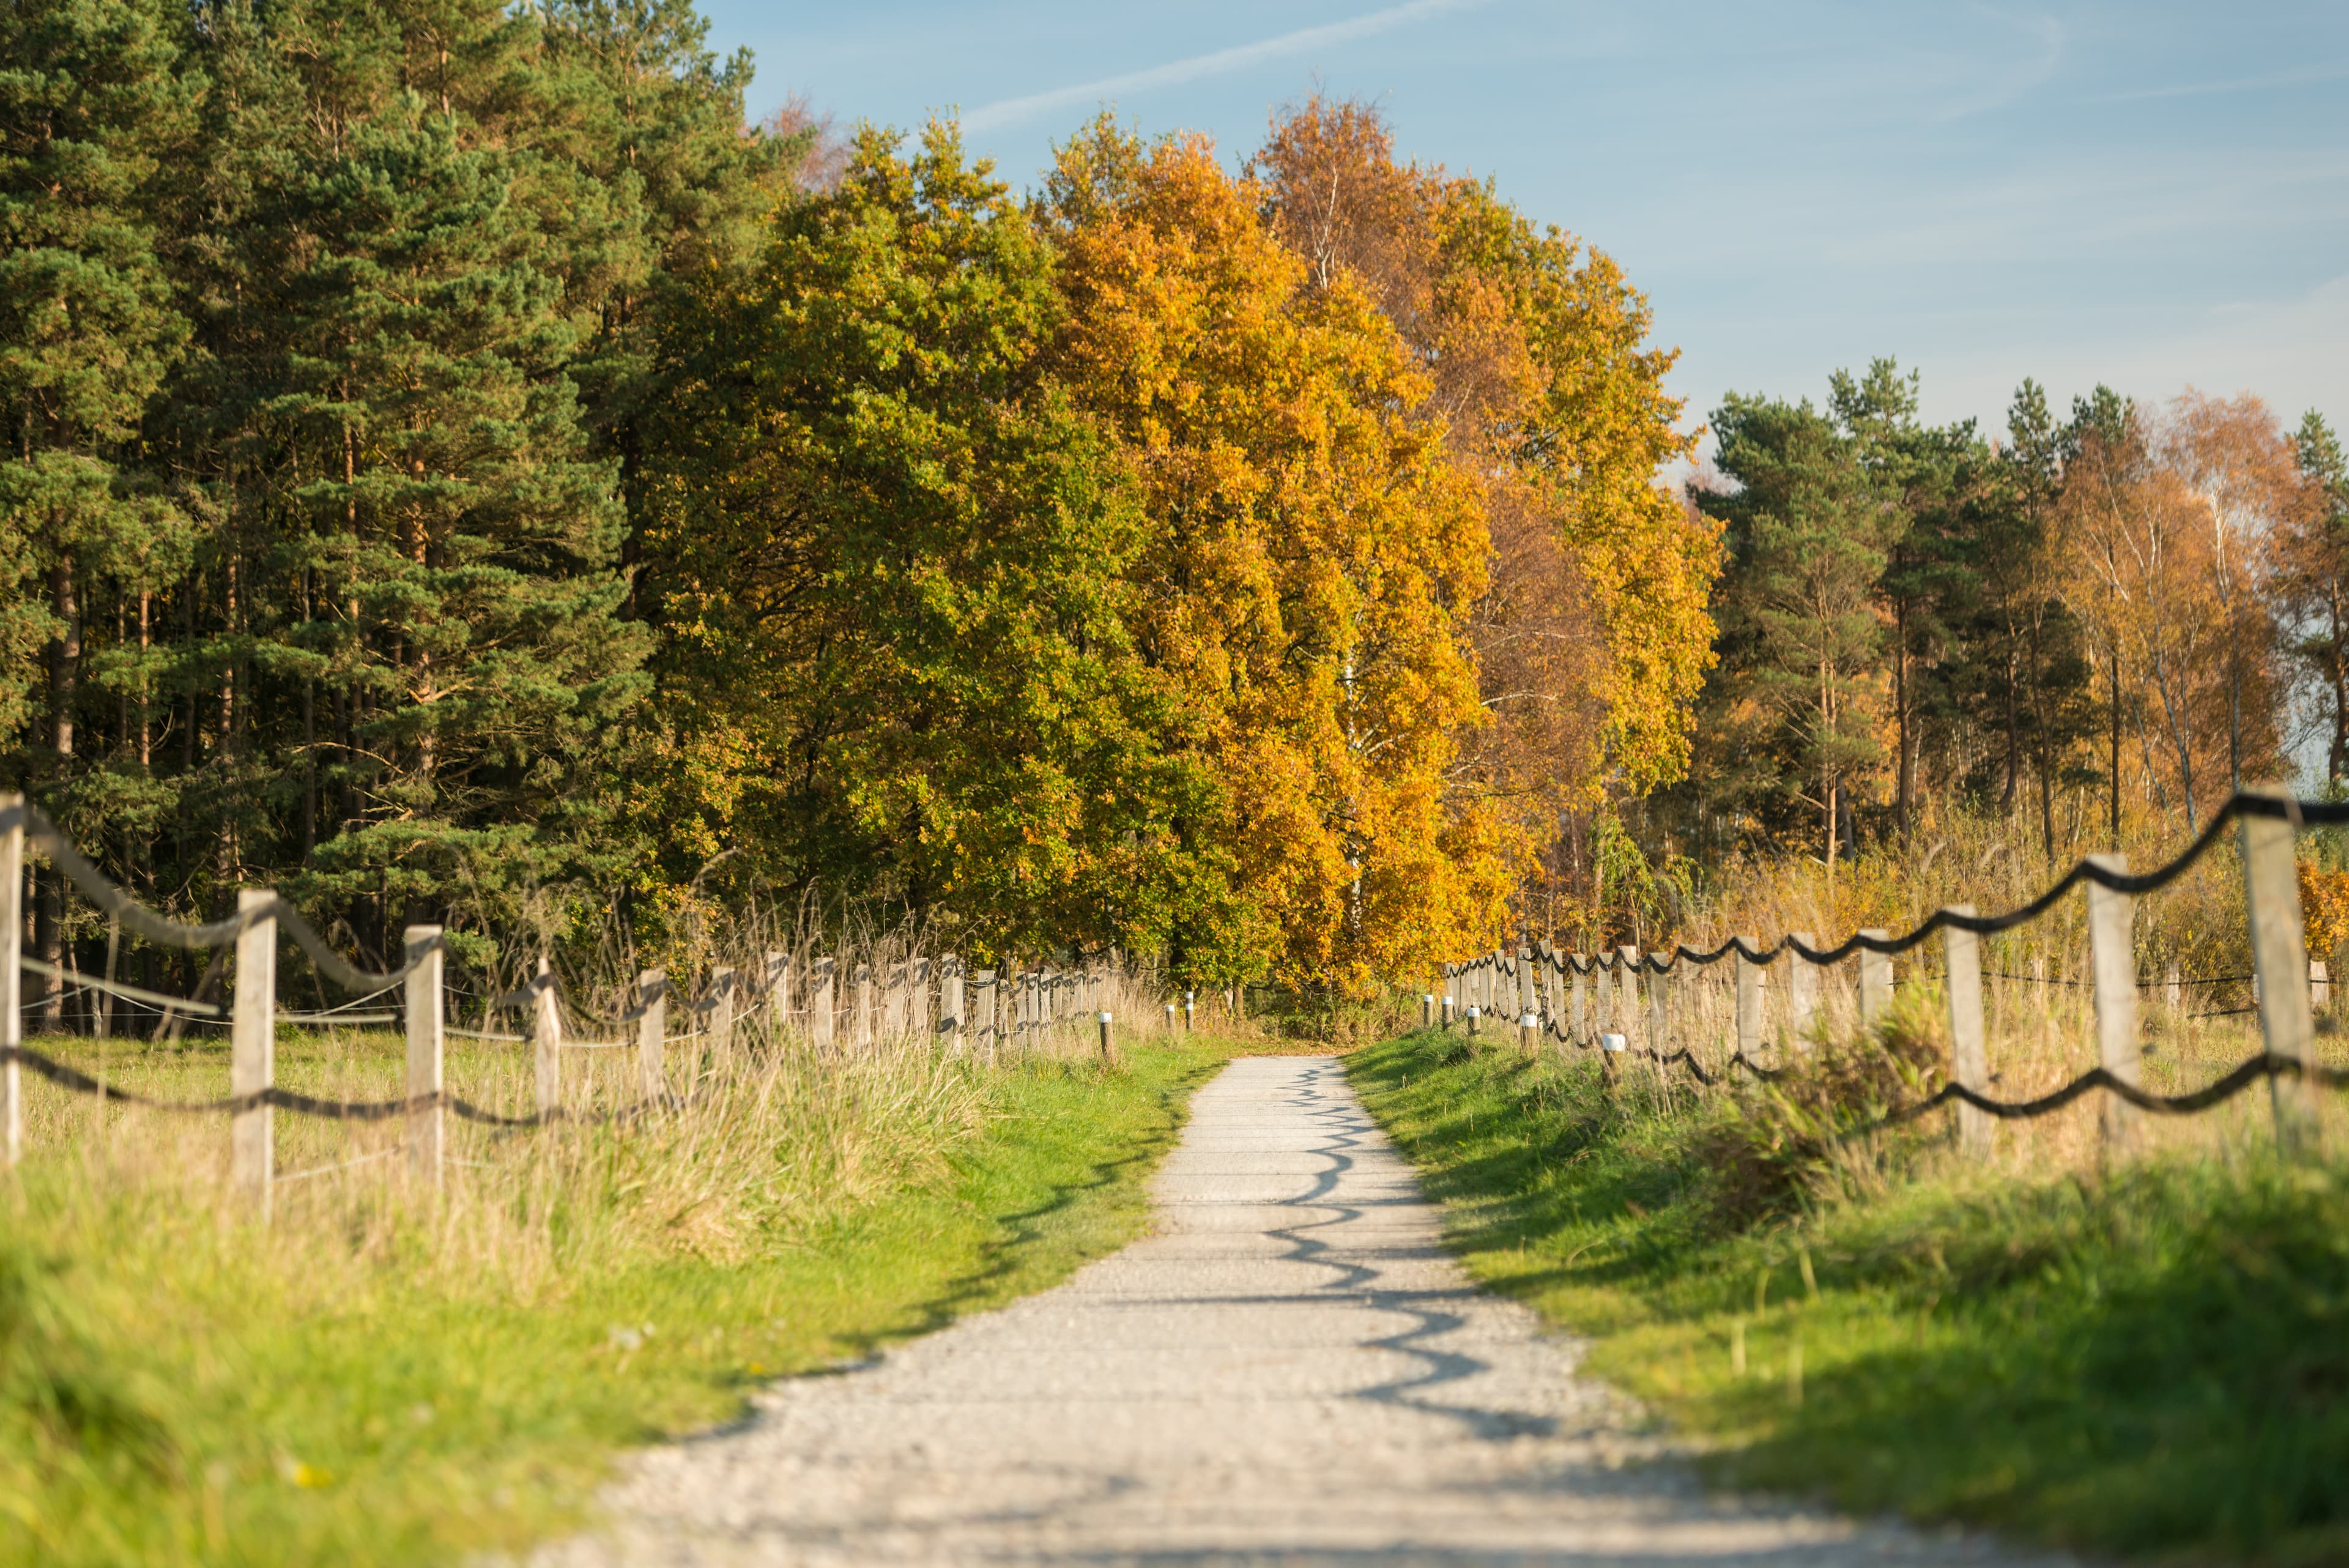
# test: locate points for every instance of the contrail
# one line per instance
(1010, 109)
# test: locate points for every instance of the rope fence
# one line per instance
(841, 1006)
(1548, 993)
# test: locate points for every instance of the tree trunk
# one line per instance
(65, 674)
(2113, 667)
(1906, 772)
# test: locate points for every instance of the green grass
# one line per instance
(2154, 1363)
(176, 1387)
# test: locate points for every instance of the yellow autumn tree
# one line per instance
(1312, 556)
(1592, 634)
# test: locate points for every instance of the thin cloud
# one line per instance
(2303, 77)
(2047, 34)
(1011, 110)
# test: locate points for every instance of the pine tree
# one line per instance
(1792, 714)
(91, 98)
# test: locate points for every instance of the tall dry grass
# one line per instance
(2039, 1004)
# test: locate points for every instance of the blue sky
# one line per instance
(2152, 195)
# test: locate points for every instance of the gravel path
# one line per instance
(1289, 1371)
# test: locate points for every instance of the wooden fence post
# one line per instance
(2320, 984)
(12, 974)
(546, 1041)
(950, 1016)
(1749, 1001)
(982, 1010)
(820, 975)
(1802, 991)
(652, 1033)
(917, 1002)
(2280, 968)
(2112, 960)
(1626, 993)
(427, 1054)
(1875, 979)
(863, 1037)
(253, 1062)
(722, 1011)
(1658, 1015)
(1578, 1017)
(2173, 988)
(1969, 1057)
(778, 993)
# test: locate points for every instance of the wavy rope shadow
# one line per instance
(1347, 1127)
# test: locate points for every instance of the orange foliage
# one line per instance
(1312, 552)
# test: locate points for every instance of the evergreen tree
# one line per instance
(92, 100)
(1791, 718)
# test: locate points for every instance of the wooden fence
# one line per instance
(1593, 1001)
(828, 1003)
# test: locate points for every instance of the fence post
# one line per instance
(12, 974)
(427, 1054)
(863, 1037)
(2280, 968)
(2112, 960)
(1190, 1001)
(1749, 1001)
(950, 1018)
(1626, 992)
(2320, 984)
(1802, 991)
(821, 974)
(893, 999)
(917, 1002)
(652, 1033)
(1658, 1017)
(1578, 1019)
(722, 1011)
(252, 1063)
(546, 1041)
(2173, 990)
(1969, 1057)
(779, 994)
(1875, 979)
(982, 1010)
(1104, 1034)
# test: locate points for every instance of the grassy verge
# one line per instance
(2154, 1363)
(363, 1384)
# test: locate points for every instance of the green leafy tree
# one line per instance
(891, 560)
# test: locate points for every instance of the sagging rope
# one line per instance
(81, 1083)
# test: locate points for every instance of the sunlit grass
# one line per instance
(379, 1376)
(2148, 1360)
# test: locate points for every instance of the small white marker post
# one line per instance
(546, 1043)
(1104, 1019)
